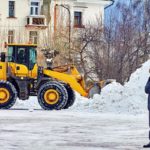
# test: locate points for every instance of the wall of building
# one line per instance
(17, 23)
(90, 10)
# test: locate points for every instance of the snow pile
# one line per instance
(116, 98)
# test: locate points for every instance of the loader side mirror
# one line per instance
(3, 56)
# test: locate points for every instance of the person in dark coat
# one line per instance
(147, 91)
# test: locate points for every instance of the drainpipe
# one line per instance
(110, 4)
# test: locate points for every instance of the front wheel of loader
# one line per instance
(52, 95)
(8, 95)
(71, 97)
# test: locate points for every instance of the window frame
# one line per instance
(34, 10)
(78, 19)
(11, 9)
(33, 38)
(11, 37)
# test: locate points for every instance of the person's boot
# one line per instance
(147, 146)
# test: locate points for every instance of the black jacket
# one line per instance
(147, 91)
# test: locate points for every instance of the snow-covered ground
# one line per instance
(116, 119)
(68, 130)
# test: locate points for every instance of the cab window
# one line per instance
(10, 54)
(32, 57)
(21, 56)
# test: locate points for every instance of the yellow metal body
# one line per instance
(4, 95)
(3, 69)
(73, 78)
(70, 75)
(51, 96)
(23, 70)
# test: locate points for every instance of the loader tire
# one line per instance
(71, 97)
(52, 95)
(8, 95)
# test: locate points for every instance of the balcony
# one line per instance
(36, 22)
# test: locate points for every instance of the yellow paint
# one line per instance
(22, 72)
(74, 79)
(51, 96)
(3, 74)
(71, 79)
(4, 95)
(34, 72)
(76, 73)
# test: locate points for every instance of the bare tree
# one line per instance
(120, 48)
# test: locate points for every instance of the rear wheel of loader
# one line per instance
(8, 95)
(52, 95)
(71, 97)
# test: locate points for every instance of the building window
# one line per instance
(33, 37)
(77, 19)
(35, 8)
(11, 36)
(11, 8)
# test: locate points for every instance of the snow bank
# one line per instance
(30, 104)
(115, 98)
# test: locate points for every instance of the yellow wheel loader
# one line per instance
(21, 77)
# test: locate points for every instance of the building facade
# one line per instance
(34, 21)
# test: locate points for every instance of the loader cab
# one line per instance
(23, 54)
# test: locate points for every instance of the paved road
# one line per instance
(67, 130)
